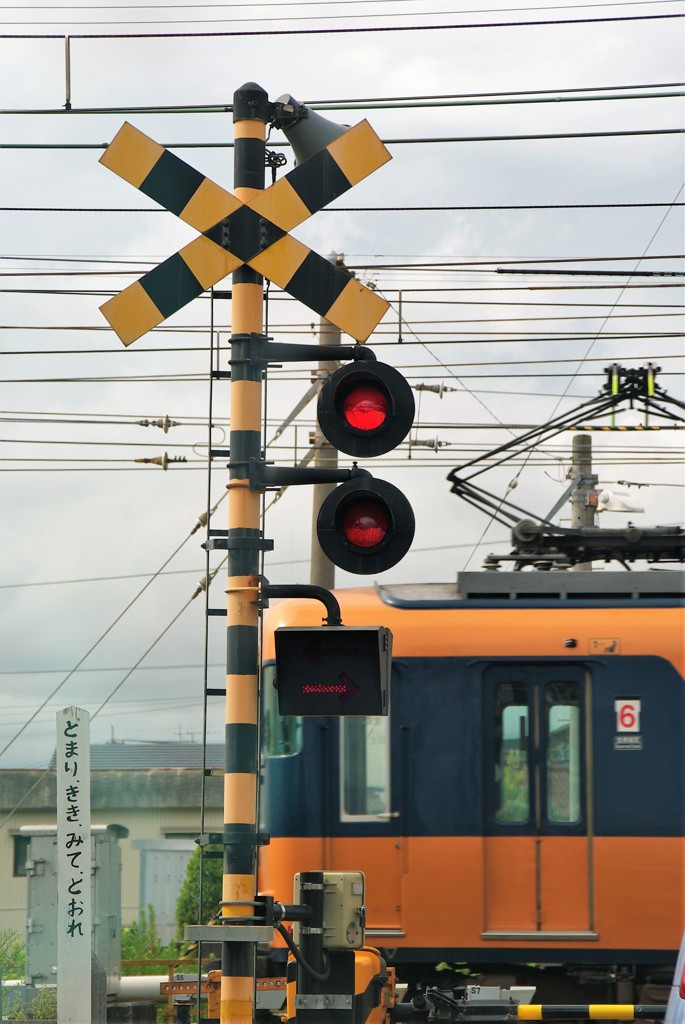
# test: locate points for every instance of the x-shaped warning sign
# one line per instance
(236, 233)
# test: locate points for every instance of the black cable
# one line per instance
(358, 209)
(316, 975)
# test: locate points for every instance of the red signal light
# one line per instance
(365, 407)
(365, 523)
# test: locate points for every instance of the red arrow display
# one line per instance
(345, 686)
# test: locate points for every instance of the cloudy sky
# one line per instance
(540, 137)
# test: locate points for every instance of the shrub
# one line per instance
(142, 942)
(188, 910)
(43, 1006)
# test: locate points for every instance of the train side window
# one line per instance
(512, 725)
(281, 735)
(563, 746)
(365, 767)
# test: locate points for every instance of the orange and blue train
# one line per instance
(520, 811)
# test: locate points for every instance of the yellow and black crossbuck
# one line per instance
(253, 233)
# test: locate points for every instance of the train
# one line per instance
(519, 813)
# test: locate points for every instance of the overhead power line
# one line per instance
(419, 323)
(396, 4)
(451, 264)
(601, 94)
(443, 264)
(439, 140)
(346, 31)
(596, 273)
(305, 3)
(360, 209)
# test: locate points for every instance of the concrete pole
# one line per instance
(582, 513)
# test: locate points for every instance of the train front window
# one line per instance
(512, 799)
(563, 741)
(280, 735)
(365, 767)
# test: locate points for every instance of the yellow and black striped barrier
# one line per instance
(590, 1011)
(499, 1006)
(253, 233)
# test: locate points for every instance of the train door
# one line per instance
(369, 827)
(538, 827)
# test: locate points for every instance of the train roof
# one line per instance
(564, 586)
(510, 614)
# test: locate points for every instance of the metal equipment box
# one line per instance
(41, 919)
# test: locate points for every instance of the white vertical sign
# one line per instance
(74, 912)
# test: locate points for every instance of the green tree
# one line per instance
(188, 910)
(142, 942)
(11, 954)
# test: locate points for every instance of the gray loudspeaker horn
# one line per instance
(306, 131)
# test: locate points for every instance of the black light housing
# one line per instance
(365, 525)
(365, 409)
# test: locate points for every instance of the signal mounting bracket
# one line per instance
(263, 476)
(304, 591)
(260, 350)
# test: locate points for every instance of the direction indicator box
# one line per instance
(333, 670)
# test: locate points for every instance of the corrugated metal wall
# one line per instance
(163, 864)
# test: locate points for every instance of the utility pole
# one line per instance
(582, 511)
(322, 570)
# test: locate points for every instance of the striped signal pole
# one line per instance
(250, 115)
(247, 234)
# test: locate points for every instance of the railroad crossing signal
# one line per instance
(236, 233)
(365, 525)
(333, 670)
